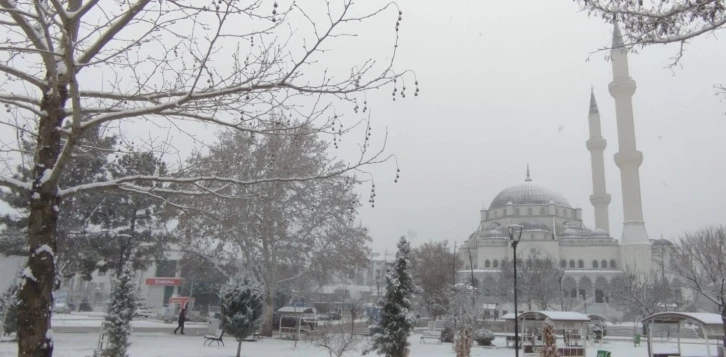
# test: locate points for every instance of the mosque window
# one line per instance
(612, 264)
(572, 263)
(495, 264)
(581, 264)
(594, 264)
(516, 212)
(604, 264)
(541, 211)
(486, 264)
(563, 263)
(529, 211)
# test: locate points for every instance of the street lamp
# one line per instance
(515, 234)
(562, 303)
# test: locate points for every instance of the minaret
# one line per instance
(600, 199)
(628, 159)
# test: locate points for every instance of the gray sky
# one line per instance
(499, 79)
(505, 84)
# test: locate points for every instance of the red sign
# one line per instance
(164, 281)
(181, 300)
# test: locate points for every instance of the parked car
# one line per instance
(61, 308)
(334, 316)
(145, 313)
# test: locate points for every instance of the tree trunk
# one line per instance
(269, 310)
(723, 319)
(239, 348)
(36, 292)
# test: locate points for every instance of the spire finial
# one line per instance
(528, 179)
(593, 103)
(617, 37)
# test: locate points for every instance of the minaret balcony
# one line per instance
(622, 87)
(628, 159)
(600, 199)
(596, 144)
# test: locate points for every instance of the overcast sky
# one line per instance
(507, 83)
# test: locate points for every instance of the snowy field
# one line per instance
(166, 345)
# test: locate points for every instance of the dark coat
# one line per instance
(182, 316)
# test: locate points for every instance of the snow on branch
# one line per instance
(659, 22)
(15, 184)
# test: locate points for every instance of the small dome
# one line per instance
(534, 226)
(493, 233)
(662, 243)
(597, 232)
(528, 193)
(570, 232)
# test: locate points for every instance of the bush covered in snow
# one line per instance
(242, 304)
(448, 334)
(120, 312)
(484, 337)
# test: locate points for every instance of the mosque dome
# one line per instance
(599, 233)
(528, 193)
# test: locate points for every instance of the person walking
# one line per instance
(182, 319)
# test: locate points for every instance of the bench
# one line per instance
(362, 332)
(217, 337)
(429, 336)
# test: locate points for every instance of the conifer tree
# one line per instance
(396, 322)
(120, 312)
(549, 339)
(242, 304)
(9, 303)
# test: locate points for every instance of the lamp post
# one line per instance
(562, 302)
(515, 234)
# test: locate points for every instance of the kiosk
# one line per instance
(708, 328)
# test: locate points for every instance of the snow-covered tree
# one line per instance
(465, 303)
(537, 281)
(698, 261)
(656, 22)
(549, 340)
(9, 304)
(433, 263)
(288, 229)
(242, 304)
(336, 340)
(177, 65)
(640, 294)
(396, 323)
(120, 312)
(73, 255)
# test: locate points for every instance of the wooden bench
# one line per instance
(429, 336)
(217, 337)
(362, 332)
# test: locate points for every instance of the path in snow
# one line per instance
(167, 345)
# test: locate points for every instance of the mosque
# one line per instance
(552, 227)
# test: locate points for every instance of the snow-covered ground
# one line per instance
(166, 345)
